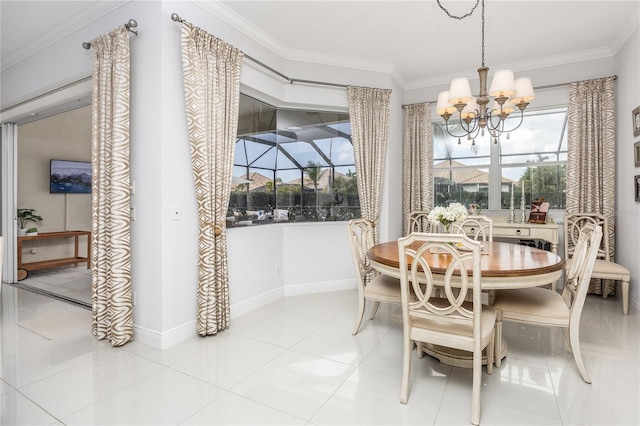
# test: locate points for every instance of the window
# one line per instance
(292, 166)
(534, 155)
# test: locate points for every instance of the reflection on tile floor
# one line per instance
(295, 362)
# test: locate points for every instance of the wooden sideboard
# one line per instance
(525, 231)
(23, 268)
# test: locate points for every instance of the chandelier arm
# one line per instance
(518, 125)
(461, 16)
(498, 128)
(453, 135)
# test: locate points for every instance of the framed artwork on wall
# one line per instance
(636, 153)
(636, 187)
(636, 121)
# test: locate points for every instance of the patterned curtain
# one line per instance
(211, 71)
(591, 152)
(417, 160)
(112, 301)
(369, 116)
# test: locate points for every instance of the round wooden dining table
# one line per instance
(503, 266)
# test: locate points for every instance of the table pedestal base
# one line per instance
(457, 357)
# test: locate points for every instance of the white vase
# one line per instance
(22, 232)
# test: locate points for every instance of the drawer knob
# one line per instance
(518, 232)
(473, 230)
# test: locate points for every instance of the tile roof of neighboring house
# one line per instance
(462, 174)
(323, 180)
(459, 173)
(258, 181)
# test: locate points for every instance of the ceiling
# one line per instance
(415, 41)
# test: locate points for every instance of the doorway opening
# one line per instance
(53, 259)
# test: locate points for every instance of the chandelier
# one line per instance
(475, 114)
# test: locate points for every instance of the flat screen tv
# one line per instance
(70, 177)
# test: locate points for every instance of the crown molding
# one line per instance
(624, 33)
(549, 61)
(65, 28)
(247, 28)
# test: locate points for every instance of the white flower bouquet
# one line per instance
(456, 212)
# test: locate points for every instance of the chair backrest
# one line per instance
(480, 228)
(462, 276)
(578, 275)
(361, 238)
(419, 221)
(573, 224)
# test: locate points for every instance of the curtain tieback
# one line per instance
(217, 229)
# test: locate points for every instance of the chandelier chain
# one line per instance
(462, 16)
(482, 32)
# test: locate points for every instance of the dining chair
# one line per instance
(448, 321)
(540, 306)
(371, 284)
(479, 227)
(419, 221)
(604, 268)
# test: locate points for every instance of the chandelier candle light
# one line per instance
(474, 114)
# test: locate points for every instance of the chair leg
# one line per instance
(491, 353)
(374, 310)
(625, 297)
(419, 350)
(574, 338)
(605, 288)
(406, 369)
(359, 316)
(477, 386)
(497, 344)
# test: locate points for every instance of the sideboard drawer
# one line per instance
(511, 232)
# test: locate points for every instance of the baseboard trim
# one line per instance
(319, 287)
(158, 340)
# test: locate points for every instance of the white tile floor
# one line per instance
(296, 362)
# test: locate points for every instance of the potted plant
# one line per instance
(25, 216)
(32, 232)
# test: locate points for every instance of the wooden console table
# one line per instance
(525, 231)
(23, 268)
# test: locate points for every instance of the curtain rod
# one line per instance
(176, 18)
(131, 24)
(548, 86)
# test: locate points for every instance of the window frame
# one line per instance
(496, 166)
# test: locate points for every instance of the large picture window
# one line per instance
(533, 156)
(292, 166)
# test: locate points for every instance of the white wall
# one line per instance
(627, 209)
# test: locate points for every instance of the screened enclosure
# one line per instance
(292, 166)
